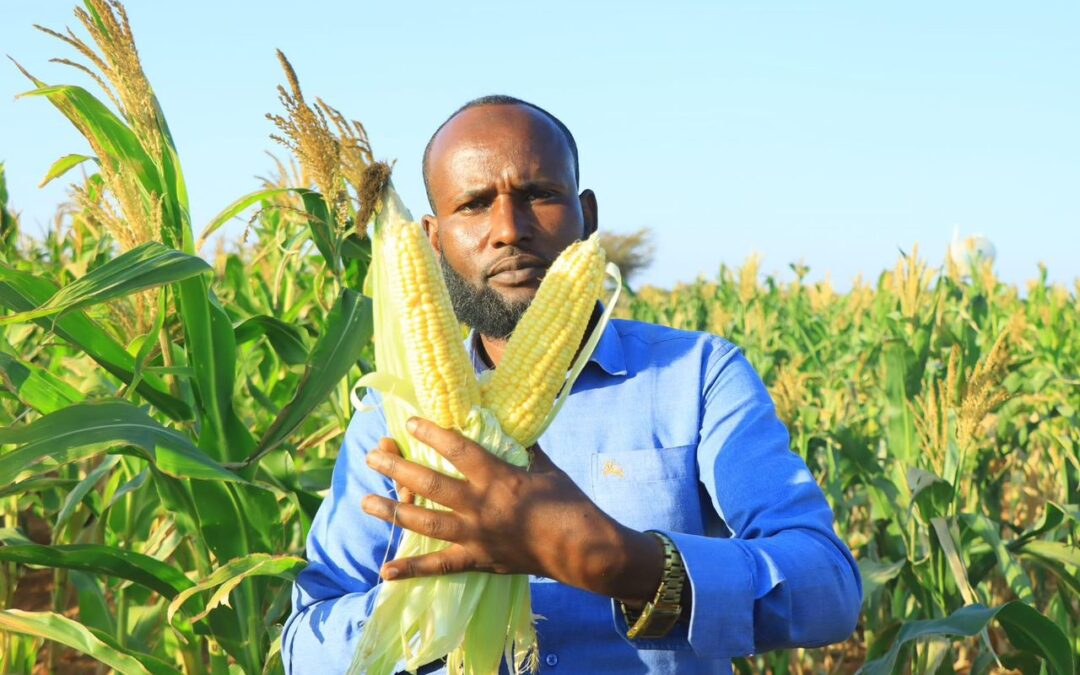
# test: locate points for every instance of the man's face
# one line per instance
(502, 181)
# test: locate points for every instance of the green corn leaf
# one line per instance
(79, 492)
(228, 576)
(145, 266)
(150, 339)
(1053, 515)
(238, 279)
(85, 429)
(900, 423)
(929, 492)
(93, 119)
(1070, 582)
(176, 218)
(348, 330)
(94, 612)
(237, 519)
(875, 574)
(1027, 630)
(156, 665)
(273, 663)
(103, 560)
(1062, 552)
(59, 628)
(285, 338)
(129, 487)
(943, 531)
(36, 387)
(236, 208)
(1014, 573)
(175, 495)
(39, 484)
(21, 291)
(322, 227)
(211, 347)
(357, 248)
(12, 537)
(62, 166)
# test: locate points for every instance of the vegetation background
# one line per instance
(169, 414)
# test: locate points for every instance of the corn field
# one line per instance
(168, 424)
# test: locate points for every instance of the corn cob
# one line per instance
(533, 369)
(445, 383)
(474, 619)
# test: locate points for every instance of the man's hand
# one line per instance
(507, 520)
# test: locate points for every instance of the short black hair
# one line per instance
(499, 99)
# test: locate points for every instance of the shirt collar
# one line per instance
(608, 353)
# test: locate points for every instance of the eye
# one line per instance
(473, 205)
(540, 193)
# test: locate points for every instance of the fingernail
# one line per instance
(376, 460)
(411, 424)
(391, 573)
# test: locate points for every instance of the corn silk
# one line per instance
(474, 619)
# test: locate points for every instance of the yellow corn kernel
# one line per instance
(523, 388)
(445, 383)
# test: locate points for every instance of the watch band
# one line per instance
(659, 615)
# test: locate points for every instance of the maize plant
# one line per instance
(938, 411)
(151, 431)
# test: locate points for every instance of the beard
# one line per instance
(481, 307)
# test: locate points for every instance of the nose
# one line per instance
(510, 224)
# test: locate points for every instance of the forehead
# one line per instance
(490, 142)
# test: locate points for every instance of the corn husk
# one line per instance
(474, 619)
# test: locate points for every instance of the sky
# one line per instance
(831, 134)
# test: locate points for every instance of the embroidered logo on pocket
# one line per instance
(611, 468)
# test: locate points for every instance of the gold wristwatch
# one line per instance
(659, 615)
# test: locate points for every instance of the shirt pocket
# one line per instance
(649, 489)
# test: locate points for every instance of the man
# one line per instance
(664, 497)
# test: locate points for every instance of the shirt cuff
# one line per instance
(720, 573)
(676, 640)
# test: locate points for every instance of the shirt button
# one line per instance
(552, 660)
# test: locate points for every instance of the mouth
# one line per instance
(518, 270)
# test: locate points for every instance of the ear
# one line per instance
(431, 229)
(588, 211)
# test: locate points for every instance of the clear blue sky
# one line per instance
(834, 134)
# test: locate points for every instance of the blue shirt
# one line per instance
(664, 429)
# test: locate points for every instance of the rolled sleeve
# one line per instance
(718, 573)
